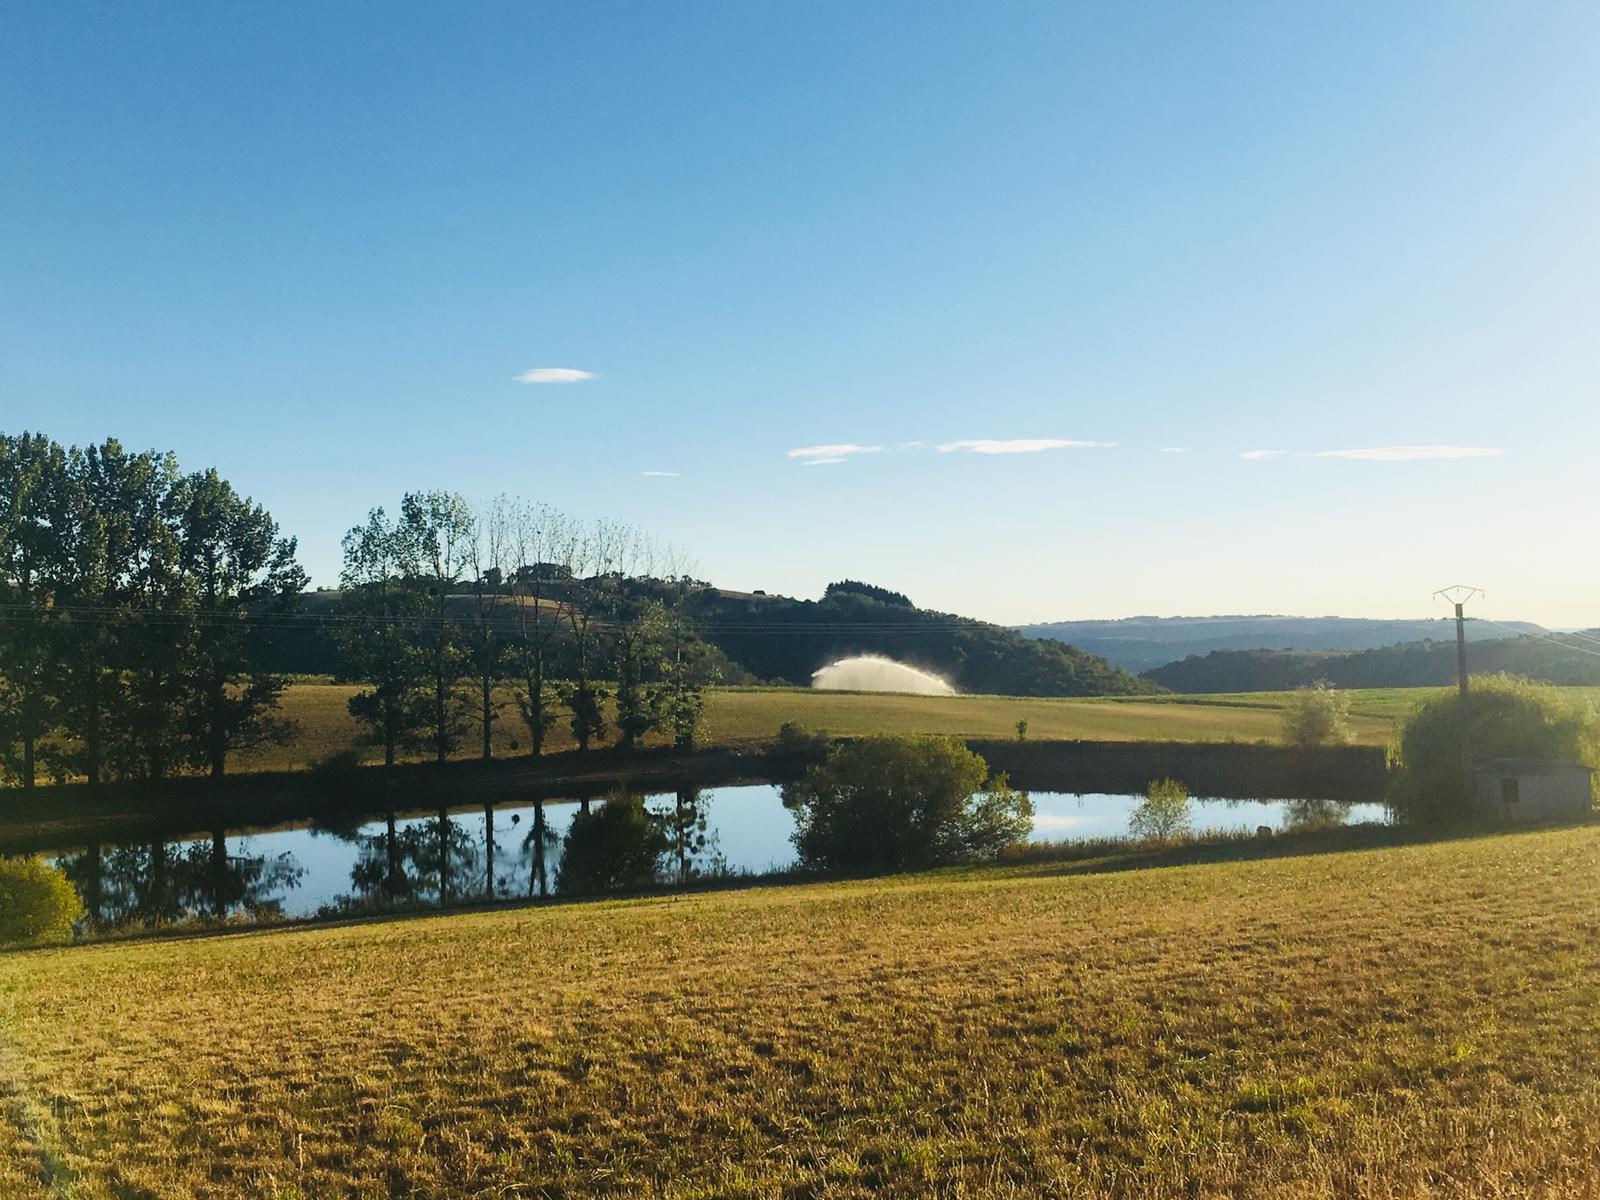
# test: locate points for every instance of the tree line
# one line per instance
(125, 589)
(139, 605)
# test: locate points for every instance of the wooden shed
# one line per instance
(1528, 791)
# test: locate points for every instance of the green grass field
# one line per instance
(1405, 1022)
(744, 715)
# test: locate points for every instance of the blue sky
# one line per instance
(317, 245)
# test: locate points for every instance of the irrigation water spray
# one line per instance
(872, 673)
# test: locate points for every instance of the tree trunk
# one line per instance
(91, 729)
(536, 703)
(488, 717)
(441, 747)
(217, 734)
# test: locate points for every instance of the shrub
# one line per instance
(613, 847)
(1506, 717)
(1163, 814)
(1318, 715)
(901, 803)
(37, 903)
(809, 745)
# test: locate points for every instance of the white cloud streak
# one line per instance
(662, 474)
(1252, 455)
(554, 375)
(837, 452)
(1409, 453)
(1174, 450)
(821, 462)
(1013, 445)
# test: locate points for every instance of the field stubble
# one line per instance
(1402, 1022)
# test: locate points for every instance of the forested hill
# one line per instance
(1140, 643)
(780, 638)
(1570, 659)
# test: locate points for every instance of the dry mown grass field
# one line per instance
(1415, 1021)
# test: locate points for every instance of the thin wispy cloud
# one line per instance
(662, 474)
(1013, 445)
(1174, 450)
(836, 452)
(1252, 455)
(1409, 453)
(822, 462)
(554, 375)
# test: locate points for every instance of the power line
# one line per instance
(1540, 636)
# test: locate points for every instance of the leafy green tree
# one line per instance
(638, 704)
(1318, 715)
(903, 803)
(378, 613)
(241, 570)
(616, 846)
(488, 547)
(543, 546)
(592, 599)
(1163, 814)
(1504, 717)
(33, 479)
(155, 638)
(688, 663)
(90, 598)
(586, 699)
(433, 539)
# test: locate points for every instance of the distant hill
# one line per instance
(1414, 664)
(1140, 643)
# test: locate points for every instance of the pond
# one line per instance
(467, 854)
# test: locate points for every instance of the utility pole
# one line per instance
(1458, 595)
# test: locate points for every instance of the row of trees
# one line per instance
(453, 614)
(139, 604)
(127, 589)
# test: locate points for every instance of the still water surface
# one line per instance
(304, 871)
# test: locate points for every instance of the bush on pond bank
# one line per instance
(1505, 717)
(613, 847)
(902, 803)
(37, 903)
(1163, 814)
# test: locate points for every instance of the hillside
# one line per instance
(1416, 664)
(1398, 1022)
(1140, 643)
(781, 639)
(754, 637)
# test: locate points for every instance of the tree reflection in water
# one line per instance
(161, 883)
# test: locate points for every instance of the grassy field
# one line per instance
(1413, 1021)
(744, 715)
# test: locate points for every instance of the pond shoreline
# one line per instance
(50, 817)
(1088, 857)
